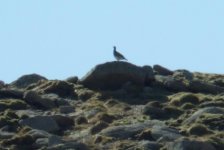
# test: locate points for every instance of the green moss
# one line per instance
(198, 129)
(187, 106)
(181, 98)
(172, 112)
(213, 121)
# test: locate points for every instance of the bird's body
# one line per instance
(118, 55)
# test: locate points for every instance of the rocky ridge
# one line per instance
(117, 105)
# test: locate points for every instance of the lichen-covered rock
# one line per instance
(128, 131)
(170, 83)
(39, 101)
(61, 88)
(183, 74)
(185, 144)
(200, 112)
(113, 75)
(14, 104)
(26, 80)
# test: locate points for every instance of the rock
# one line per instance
(27, 80)
(183, 74)
(45, 123)
(84, 94)
(147, 145)
(170, 83)
(6, 135)
(200, 112)
(185, 144)
(50, 141)
(66, 109)
(149, 75)
(113, 75)
(35, 133)
(73, 79)
(14, 104)
(63, 121)
(11, 93)
(69, 146)
(39, 101)
(198, 129)
(2, 84)
(154, 112)
(81, 120)
(162, 70)
(168, 134)
(61, 88)
(98, 127)
(203, 87)
(128, 131)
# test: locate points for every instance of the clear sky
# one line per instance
(62, 38)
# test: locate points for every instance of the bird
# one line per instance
(118, 56)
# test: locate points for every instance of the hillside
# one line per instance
(116, 105)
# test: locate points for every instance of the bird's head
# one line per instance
(114, 48)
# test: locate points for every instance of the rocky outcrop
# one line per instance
(113, 75)
(26, 80)
(117, 105)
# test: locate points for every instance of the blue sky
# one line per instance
(58, 39)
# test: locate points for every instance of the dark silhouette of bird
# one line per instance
(118, 55)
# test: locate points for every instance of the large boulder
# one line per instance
(162, 70)
(113, 75)
(26, 80)
(39, 101)
(46, 123)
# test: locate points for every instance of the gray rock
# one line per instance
(50, 141)
(27, 80)
(149, 74)
(164, 132)
(128, 131)
(60, 88)
(69, 146)
(185, 144)
(6, 135)
(170, 83)
(66, 109)
(11, 93)
(45, 123)
(184, 74)
(147, 145)
(63, 121)
(162, 70)
(73, 79)
(113, 75)
(197, 114)
(204, 87)
(36, 133)
(41, 101)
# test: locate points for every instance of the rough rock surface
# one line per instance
(27, 80)
(117, 105)
(114, 75)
